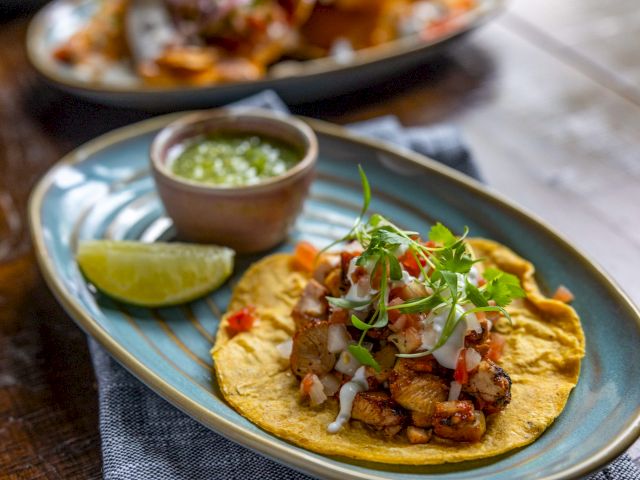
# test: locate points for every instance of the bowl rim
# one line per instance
(231, 114)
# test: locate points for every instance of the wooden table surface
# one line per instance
(548, 96)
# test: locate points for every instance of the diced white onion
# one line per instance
(316, 392)
(347, 363)
(338, 338)
(473, 323)
(472, 359)
(429, 338)
(284, 348)
(361, 290)
(331, 384)
(454, 391)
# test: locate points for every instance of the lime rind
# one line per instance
(154, 274)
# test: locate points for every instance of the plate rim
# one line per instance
(317, 67)
(284, 453)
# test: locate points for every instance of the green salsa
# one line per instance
(234, 159)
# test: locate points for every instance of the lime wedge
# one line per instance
(154, 274)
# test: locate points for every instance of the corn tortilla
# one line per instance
(542, 355)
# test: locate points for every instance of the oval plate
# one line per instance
(296, 82)
(103, 190)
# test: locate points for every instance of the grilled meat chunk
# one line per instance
(418, 392)
(312, 305)
(424, 420)
(309, 353)
(458, 421)
(379, 411)
(407, 340)
(328, 272)
(325, 264)
(335, 283)
(417, 435)
(475, 339)
(426, 364)
(490, 386)
(411, 290)
(386, 356)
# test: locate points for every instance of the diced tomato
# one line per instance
(563, 294)
(430, 244)
(339, 316)
(304, 256)
(346, 257)
(424, 364)
(242, 320)
(306, 384)
(496, 346)
(481, 282)
(358, 273)
(394, 294)
(408, 261)
(376, 277)
(461, 375)
(394, 314)
(399, 324)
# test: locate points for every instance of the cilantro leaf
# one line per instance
(395, 270)
(502, 287)
(475, 295)
(441, 234)
(455, 258)
(491, 273)
(451, 279)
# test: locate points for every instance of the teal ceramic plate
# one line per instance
(103, 190)
(295, 82)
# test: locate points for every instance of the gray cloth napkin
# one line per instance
(144, 437)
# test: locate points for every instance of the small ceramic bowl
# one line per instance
(249, 218)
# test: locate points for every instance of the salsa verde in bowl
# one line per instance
(234, 160)
(234, 177)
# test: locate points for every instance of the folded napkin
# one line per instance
(144, 437)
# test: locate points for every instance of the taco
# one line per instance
(397, 350)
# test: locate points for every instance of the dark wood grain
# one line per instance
(547, 96)
(48, 407)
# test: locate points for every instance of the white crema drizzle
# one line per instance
(347, 394)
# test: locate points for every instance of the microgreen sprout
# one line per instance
(443, 263)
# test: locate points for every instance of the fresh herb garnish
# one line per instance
(501, 286)
(444, 265)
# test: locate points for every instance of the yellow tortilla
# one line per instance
(542, 356)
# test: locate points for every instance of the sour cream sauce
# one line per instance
(447, 355)
(347, 394)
